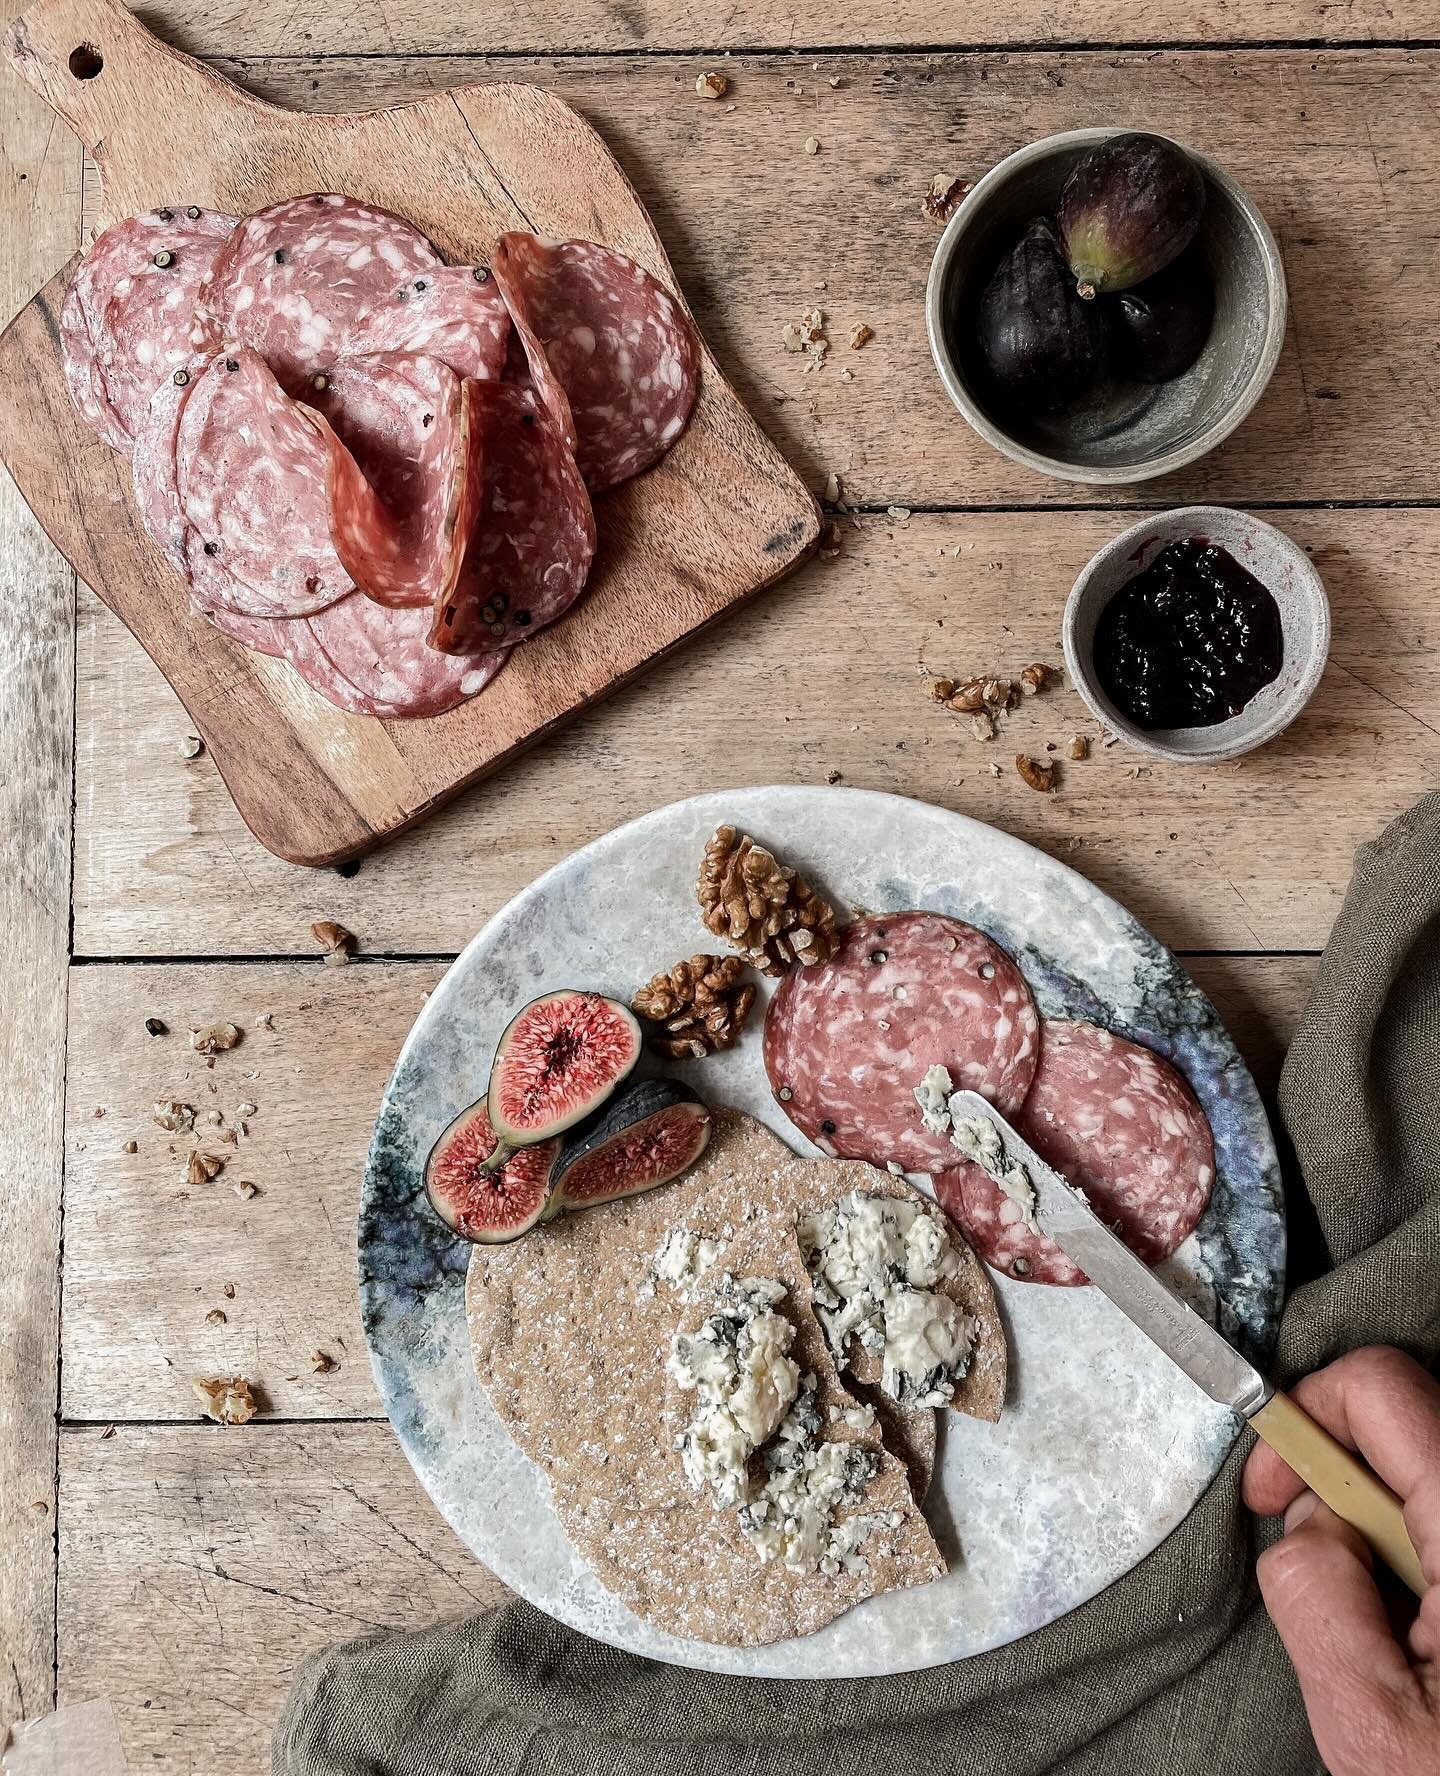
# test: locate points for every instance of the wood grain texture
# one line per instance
(200, 1565)
(1335, 147)
(719, 518)
(828, 674)
(385, 27)
(39, 227)
(147, 1256)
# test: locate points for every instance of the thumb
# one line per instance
(1322, 1598)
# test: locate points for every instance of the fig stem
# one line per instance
(1086, 290)
(499, 1158)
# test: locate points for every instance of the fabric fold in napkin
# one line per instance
(1173, 1668)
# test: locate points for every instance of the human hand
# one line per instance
(1372, 1692)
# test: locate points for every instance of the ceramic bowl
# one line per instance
(1133, 431)
(1279, 565)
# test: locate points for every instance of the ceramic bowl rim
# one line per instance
(1115, 474)
(1309, 589)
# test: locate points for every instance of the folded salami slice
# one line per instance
(847, 1041)
(294, 280)
(534, 536)
(130, 313)
(401, 478)
(611, 354)
(455, 313)
(251, 478)
(1118, 1122)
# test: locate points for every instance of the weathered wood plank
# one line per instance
(381, 27)
(199, 1566)
(39, 229)
(824, 674)
(1335, 147)
(148, 1256)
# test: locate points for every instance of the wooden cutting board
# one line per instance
(721, 517)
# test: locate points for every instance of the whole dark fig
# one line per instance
(1161, 325)
(1128, 208)
(1042, 346)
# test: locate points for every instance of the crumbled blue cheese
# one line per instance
(933, 1096)
(792, 1516)
(979, 1139)
(738, 1367)
(682, 1259)
(874, 1264)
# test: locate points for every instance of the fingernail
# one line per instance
(1300, 1511)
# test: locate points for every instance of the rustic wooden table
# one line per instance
(181, 1569)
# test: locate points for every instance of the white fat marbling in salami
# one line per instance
(129, 316)
(453, 312)
(1118, 1122)
(251, 478)
(534, 535)
(610, 352)
(848, 1040)
(402, 480)
(294, 280)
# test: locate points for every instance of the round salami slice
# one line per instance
(534, 535)
(455, 313)
(402, 481)
(251, 476)
(294, 280)
(129, 316)
(262, 635)
(1118, 1122)
(154, 467)
(385, 655)
(613, 356)
(847, 1041)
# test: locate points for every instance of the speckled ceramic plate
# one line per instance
(1103, 1447)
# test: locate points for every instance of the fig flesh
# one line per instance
(1042, 346)
(481, 1202)
(1161, 326)
(651, 1133)
(559, 1060)
(1128, 209)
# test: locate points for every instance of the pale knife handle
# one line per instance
(1345, 1484)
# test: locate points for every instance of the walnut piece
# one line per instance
(202, 1167)
(216, 1317)
(711, 86)
(170, 1113)
(321, 1362)
(214, 1038)
(982, 725)
(1035, 678)
(337, 943)
(966, 698)
(765, 910)
(227, 1399)
(807, 335)
(944, 197)
(700, 1006)
(861, 336)
(1079, 747)
(1038, 773)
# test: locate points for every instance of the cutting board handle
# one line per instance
(100, 70)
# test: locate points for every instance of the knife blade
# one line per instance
(1194, 1346)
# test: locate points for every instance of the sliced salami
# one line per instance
(847, 1041)
(455, 313)
(1118, 1122)
(262, 635)
(294, 280)
(385, 655)
(611, 353)
(129, 317)
(251, 477)
(154, 468)
(534, 536)
(402, 481)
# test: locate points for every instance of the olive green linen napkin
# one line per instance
(1174, 1669)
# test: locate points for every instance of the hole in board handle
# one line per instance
(86, 61)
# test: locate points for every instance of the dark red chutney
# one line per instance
(1189, 640)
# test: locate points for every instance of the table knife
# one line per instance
(1211, 1362)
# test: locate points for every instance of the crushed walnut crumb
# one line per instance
(860, 336)
(808, 336)
(170, 1113)
(812, 145)
(982, 725)
(711, 86)
(337, 943)
(129, 1146)
(191, 746)
(216, 1317)
(246, 1189)
(1039, 774)
(202, 1167)
(1079, 747)
(228, 1399)
(214, 1038)
(321, 1362)
(944, 197)
(1036, 677)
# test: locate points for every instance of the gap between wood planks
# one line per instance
(1165, 46)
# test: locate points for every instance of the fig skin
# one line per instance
(1161, 326)
(1128, 209)
(1042, 347)
(486, 1202)
(668, 1118)
(561, 1058)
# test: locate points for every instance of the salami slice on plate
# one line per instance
(251, 478)
(847, 1041)
(454, 312)
(534, 535)
(402, 480)
(1118, 1122)
(611, 354)
(129, 315)
(294, 280)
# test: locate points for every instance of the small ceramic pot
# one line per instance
(1283, 568)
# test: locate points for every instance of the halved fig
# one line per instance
(649, 1135)
(488, 1206)
(560, 1059)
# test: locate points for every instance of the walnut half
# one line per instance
(699, 1006)
(764, 909)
